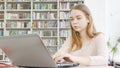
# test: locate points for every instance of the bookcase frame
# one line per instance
(4, 30)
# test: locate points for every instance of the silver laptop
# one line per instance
(27, 51)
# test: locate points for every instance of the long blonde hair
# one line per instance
(76, 41)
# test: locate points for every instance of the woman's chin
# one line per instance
(77, 30)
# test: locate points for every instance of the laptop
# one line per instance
(28, 51)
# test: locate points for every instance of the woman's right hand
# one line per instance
(58, 58)
(3, 64)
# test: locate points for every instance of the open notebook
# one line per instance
(28, 51)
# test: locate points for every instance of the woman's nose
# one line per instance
(75, 21)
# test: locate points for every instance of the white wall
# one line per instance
(106, 15)
(113, 22)
(97, 8)
(113, 17)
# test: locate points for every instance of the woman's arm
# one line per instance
(102, 51)
(63, 49)
(99, 59)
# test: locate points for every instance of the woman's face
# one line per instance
(78, 20)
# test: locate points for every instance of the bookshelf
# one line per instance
(48, 18)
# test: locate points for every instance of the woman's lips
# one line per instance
(76, 27)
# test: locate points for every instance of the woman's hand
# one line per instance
(59, 58)
(3, 64)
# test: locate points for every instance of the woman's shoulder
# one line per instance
(99, 36)
(99, 40)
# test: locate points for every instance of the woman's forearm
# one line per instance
(91, 60)
(81, 60)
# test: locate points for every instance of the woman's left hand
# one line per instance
(67, 57)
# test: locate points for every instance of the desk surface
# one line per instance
(82, 67)
(94, 67)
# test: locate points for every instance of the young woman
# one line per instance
(84, 45)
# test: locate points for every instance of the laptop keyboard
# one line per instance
(65, 65)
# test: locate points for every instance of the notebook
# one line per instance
(28, 51)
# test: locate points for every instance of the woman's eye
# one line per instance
(78, 18)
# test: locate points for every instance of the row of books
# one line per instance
(64, 15)
(56, 0)
(19, 0)
(18, 6)
(45, 6)
(45, 0)
(16, 32)
(44, 24)
(44, 15)
(67, 5)
(64, 24)
(36, 24)
(47, 33)
(50, 42)
(18, 24)
(1, 15)
(1, 6)
(18, 15)
(36, 15)
(64, 33)
(1, 24)
(39, 0)
(51, 33)
(69, 0)
(37, 6)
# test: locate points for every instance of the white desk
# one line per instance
(82, 67)
(94, 67)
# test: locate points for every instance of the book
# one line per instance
(1, 24)
(17, 32)
(45, 6)
(2, 6)
(1, 33)
(25, 15)
(1, 15)
(17, 24)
